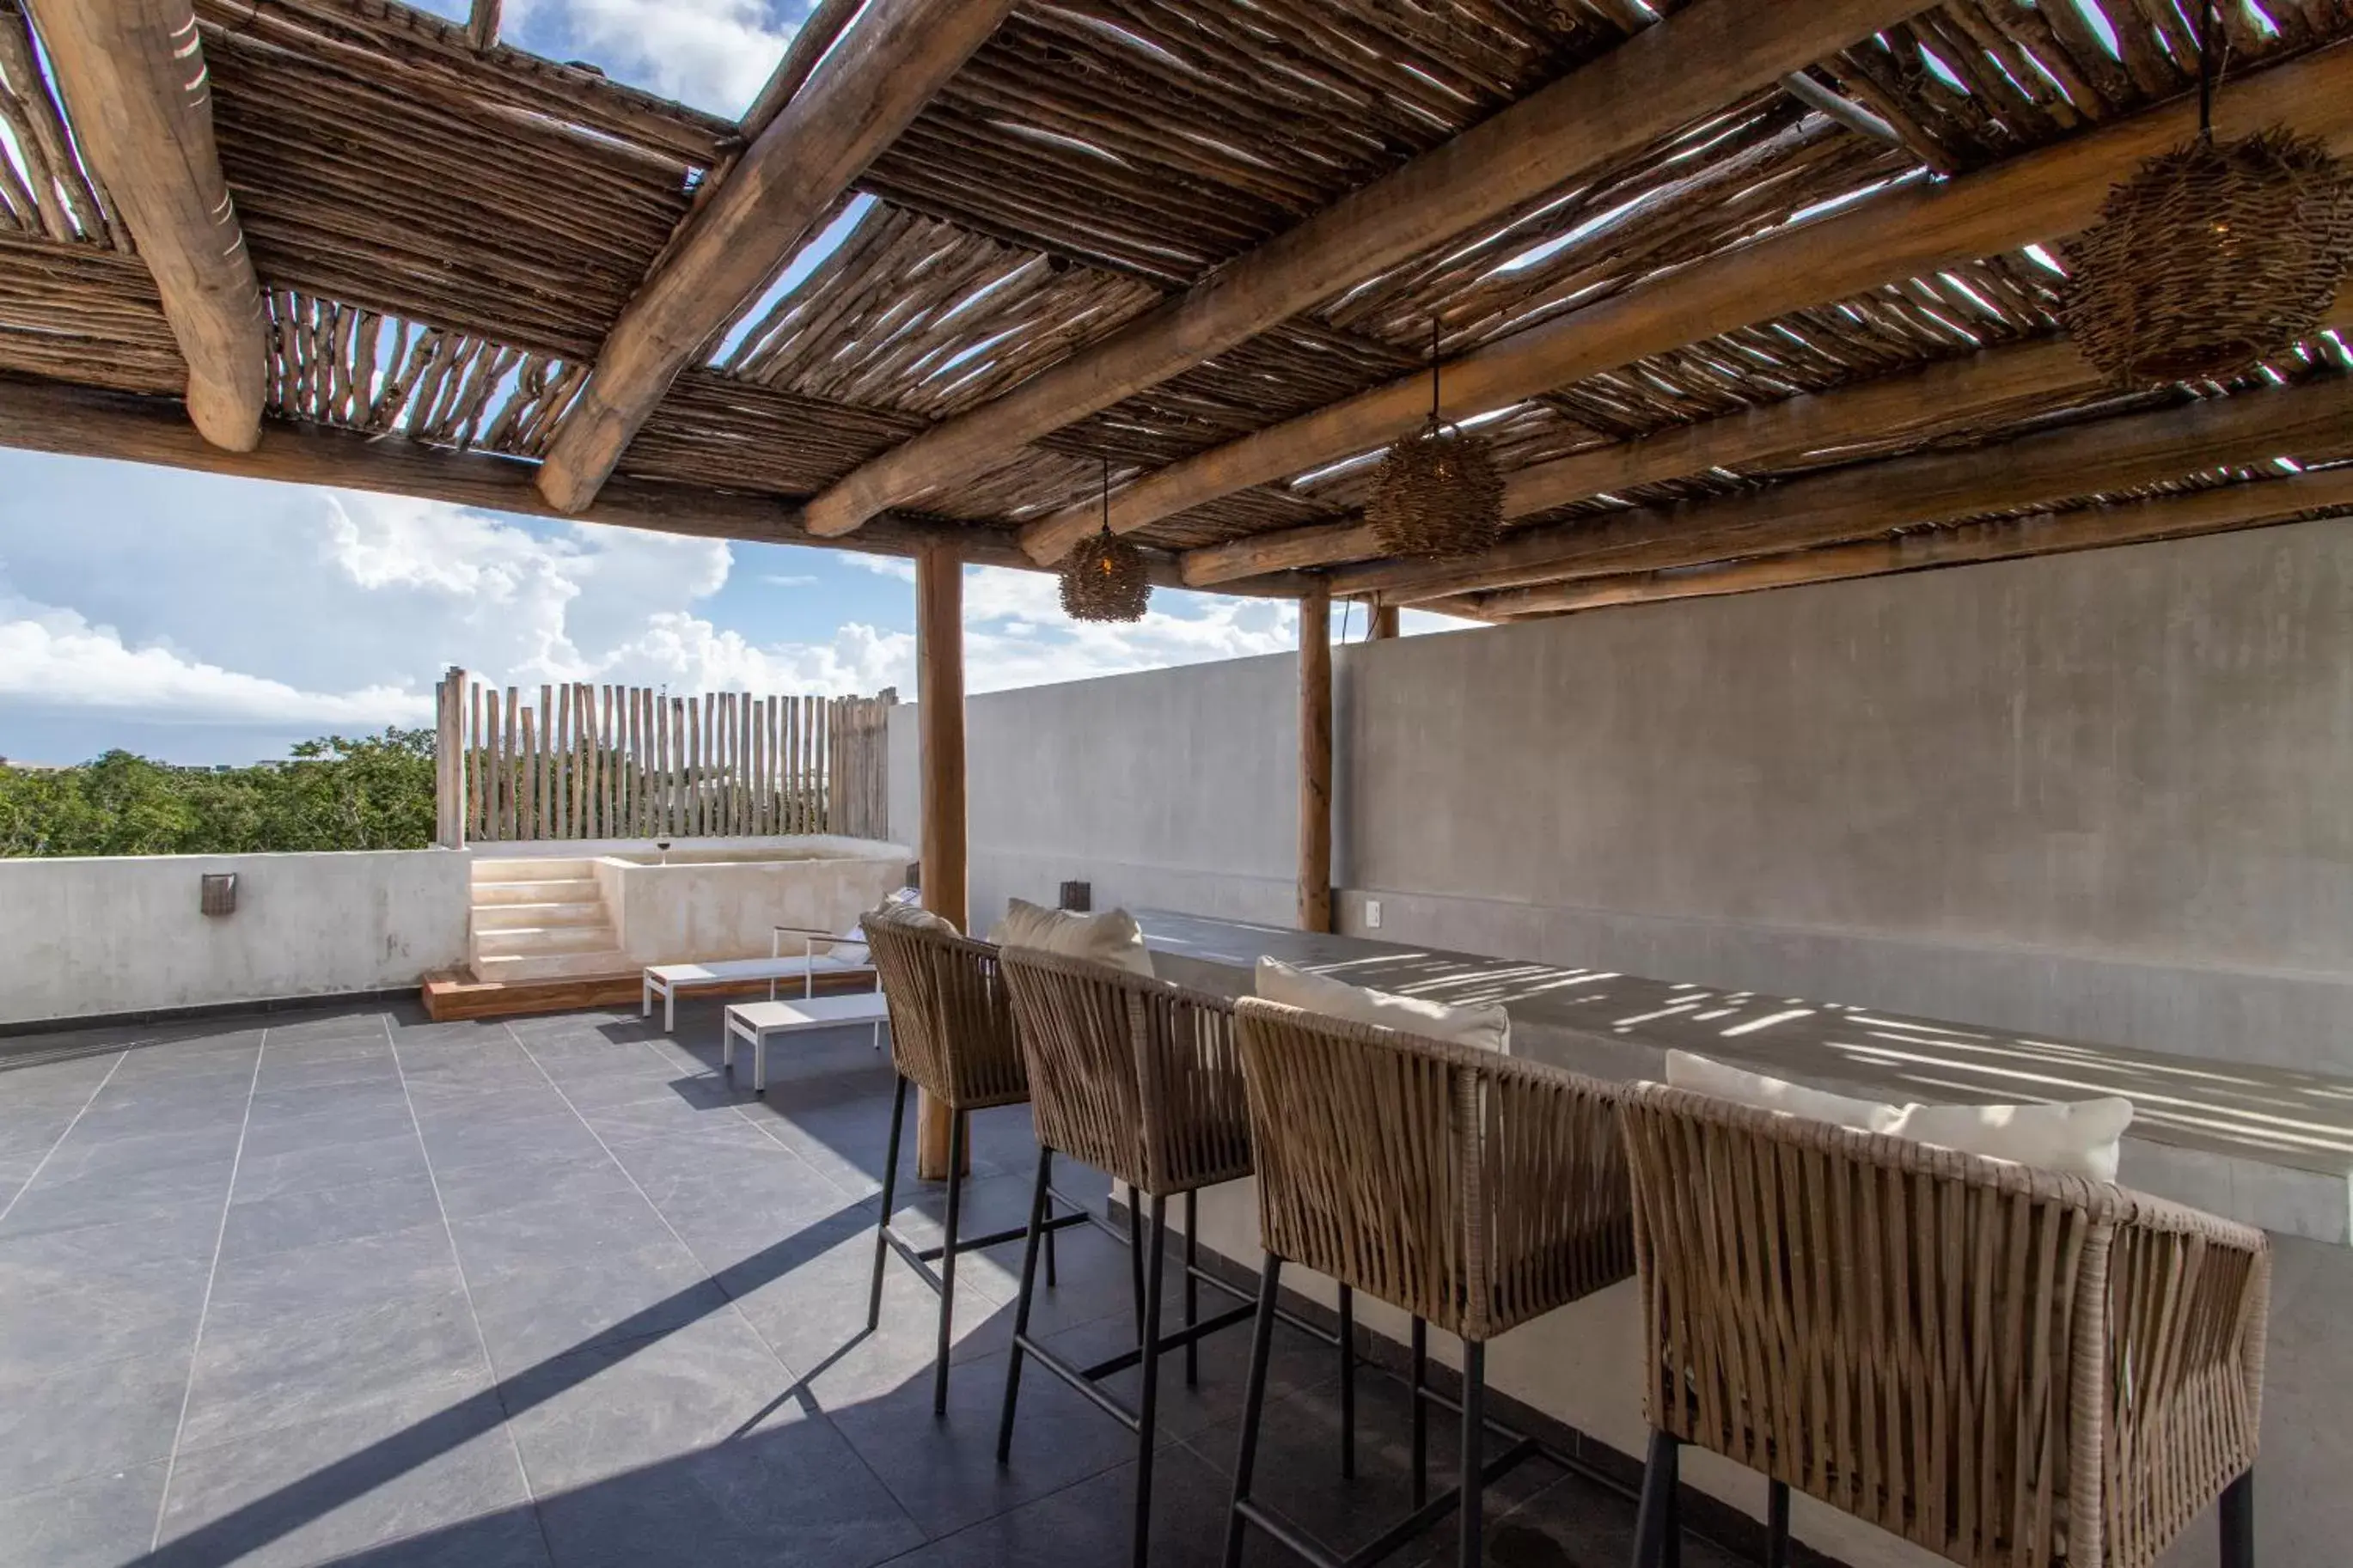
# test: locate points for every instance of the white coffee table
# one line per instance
(755, 1021)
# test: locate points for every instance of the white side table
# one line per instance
(754, 1022)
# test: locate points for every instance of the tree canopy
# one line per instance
(372, 792)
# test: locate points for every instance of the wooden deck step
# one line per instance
(453, 996)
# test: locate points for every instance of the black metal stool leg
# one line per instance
(1147, 1409)
(2239, 1523)
(1039, 1203)
(1347, 1382)
(1192, 1286)
(1776, 1524)
(890, 1195)
(1269, 1283)
(1051, 1281)
(1654, 1520)
(1136, 1254)
(1420, 1412)
(948, 1261)
(1473, 1519)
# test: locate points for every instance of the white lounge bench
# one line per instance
(821, 953)
(754, 1022)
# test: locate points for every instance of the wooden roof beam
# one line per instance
(1924, 398)
(854, 104)
(2041, 196)
(1984, 381)
(132, 74)
(2311, 421)
(2257, 504)
(1670, 74)
(41, 415)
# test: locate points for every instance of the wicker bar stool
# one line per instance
(1473, 1190)
(1137, 1078)
(952, 1036)
(2004, 1365)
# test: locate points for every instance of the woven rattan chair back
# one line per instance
(1469, 1188)
(951, 1021)
(1135, 1076)
(2004, 1365)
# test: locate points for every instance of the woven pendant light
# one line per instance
(1437, 493)
(1103, 577)
(2214, 255)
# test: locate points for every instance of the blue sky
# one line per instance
(203, 619)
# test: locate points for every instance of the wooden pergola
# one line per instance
(1742, 293)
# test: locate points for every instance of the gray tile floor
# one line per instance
(358, 1288)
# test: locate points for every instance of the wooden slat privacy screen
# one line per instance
(629, 762)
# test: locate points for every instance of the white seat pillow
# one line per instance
(1485, 1024)
(850, 949)
(2083, 1138)
(920, 918)
(1703, 1075)
(1112, 937)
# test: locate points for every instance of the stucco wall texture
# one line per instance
(124, 934)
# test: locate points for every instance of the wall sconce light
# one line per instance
(220, 894)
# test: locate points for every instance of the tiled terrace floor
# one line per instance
(358, 1288)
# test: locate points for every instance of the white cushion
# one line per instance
(1703, 1075)
(850, 949)
(2083, 1138)
(922, 918)
(1112, 937)
(1485, 1025)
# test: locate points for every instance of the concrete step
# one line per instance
(531, 869)
(523, 917)
(553, 966)
(524, 942)
(559, 891)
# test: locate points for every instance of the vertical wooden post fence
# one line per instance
(623, 762)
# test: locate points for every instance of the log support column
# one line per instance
(1385, 622)
(939, 695)
(449, 759)
(1315, 760)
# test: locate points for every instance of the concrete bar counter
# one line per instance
(2263, 1145)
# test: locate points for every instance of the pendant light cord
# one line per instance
(1106, 495)
(2206, 71)
(1433, 370)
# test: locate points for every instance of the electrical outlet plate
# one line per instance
(1372, 914)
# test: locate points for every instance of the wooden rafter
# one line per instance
(1664, 77)
(131, 75)
(41, 416)
(1934, 396)
(2310, 421)
(854, 104)
(2254, 504)
(2036, 196)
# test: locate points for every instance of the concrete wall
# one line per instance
(1173, 789)
(707, 909)
(121, 934)
(2107, 795)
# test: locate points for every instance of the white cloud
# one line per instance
(881, 566)
(1016, 634)
(712, 53)
(780, 580)
(54, 658)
